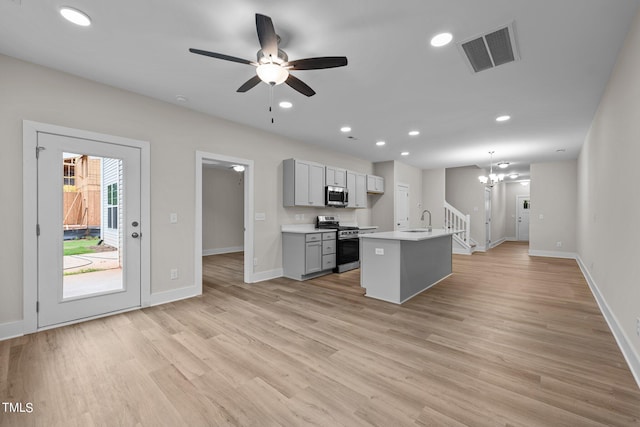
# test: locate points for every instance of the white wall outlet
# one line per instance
(173, 218)
(379, 251)
(298, 217)
(558, 244)
(540, 216)
(174, 273)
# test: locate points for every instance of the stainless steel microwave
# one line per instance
(337, 197)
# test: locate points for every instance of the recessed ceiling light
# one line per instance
(285, 104)
(380, 143)
(513, 176)
(414, 133)
(76, 16)
(503, 165)
(503, 118)
(238, 168)
(404, 153)
(441, 39)
(181, 98)
(345, 129)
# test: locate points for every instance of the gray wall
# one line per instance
(222, 210)
(382, 206)
(433, 189)
(553, 195)
(498, 213)
(41, 94)
(465, 193)
(405, 174)
(608, 204)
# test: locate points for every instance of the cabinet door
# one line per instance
(336, 176)
(379, 184)
(302, 183)
(316, 185)
(361, 190)
(351, 186)
(313, 257)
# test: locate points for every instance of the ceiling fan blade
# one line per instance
(221, 56)
(249, 84)
(317, 63)
(299, 85)
(267, 35)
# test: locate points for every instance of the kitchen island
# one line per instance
(397, 265)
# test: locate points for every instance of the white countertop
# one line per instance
(407, 235)
(311, 228)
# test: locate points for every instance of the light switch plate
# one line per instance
(379, 251)
(261, 216)
(173, 218)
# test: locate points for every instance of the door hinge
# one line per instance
(37, 229)
(37, 306)
(38, 150)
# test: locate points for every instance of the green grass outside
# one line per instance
(80, 246)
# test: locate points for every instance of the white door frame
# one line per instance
(488, 193)
(201, 158)
(30, 131)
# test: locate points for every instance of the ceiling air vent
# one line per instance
(490, 50)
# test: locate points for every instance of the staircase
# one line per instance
(460, 224)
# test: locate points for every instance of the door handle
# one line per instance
(135, 235)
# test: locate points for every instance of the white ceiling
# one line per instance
(395, 80)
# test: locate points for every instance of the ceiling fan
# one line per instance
(272, 65)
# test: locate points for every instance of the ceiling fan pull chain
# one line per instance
(271, 101)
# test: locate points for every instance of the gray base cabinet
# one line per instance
(308, 255)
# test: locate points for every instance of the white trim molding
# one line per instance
(11, 330)
(552, 254)
(624, 343)
(497, 242)
(175, 295)
(218, 251)
(261, 276)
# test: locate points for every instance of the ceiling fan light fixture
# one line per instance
(75, 16)
(272, 73)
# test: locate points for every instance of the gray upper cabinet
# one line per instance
(304, 183)
(375, 184)
(357, 185)
(336, 176)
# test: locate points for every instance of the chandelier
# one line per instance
(493, 178)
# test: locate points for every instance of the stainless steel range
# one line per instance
(348, 243)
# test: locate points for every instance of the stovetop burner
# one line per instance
(331, 222)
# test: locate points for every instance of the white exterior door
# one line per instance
(522, 212)
(402, 207)
(72, 286)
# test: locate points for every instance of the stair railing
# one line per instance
(454, 220)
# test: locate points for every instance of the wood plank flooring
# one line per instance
(507, 340)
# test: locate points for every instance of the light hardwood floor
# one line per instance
(507, 340)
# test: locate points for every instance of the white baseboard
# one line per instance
(497, 242)
(460, 251)
(553, 254)
(267, 275)
(218, 251)
(11, 330)
(511, 239)
(175, 295)
(624, 343)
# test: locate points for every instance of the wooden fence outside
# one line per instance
(82, 208)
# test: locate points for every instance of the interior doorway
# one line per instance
(487, 216)
(402, 206)
(245, 180)
(523, 206)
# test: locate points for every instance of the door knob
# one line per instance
(135, 235)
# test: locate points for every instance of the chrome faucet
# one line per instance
(429, 228)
